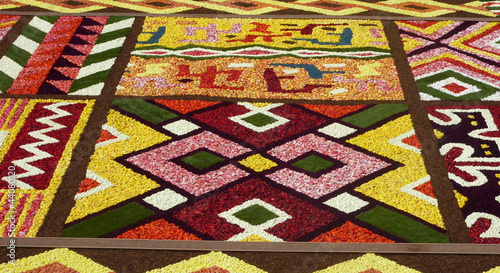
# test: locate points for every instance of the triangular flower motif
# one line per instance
(211, 262)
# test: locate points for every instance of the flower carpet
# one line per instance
(423, 8)
(179, 143)
(63, 55)
(261, 170)
(77, 260)
(33, 131)
(254, 58)
(454, 60)
(468, 144)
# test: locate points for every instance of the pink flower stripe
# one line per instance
(19, 210)
(9, 18)
(2, 103)
(6, 112)
(303, 145)
(327, 183)
(440, 51)
(468, 31)
(35, 206)
(376, 33)
(5, 208)
(18, 113)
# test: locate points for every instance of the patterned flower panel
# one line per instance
(37, 138)
(422, 8)
(63, 55)
(262, 58)
(243, 171)
(469, 142)
(454, 60)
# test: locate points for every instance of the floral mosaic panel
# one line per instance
(241, 171)
(37, 138)
(59, 55)
(422, 8)
(454, 60)
(469, 142)
(262, 58)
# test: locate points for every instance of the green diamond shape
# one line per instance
(260, 120)
(202, 160)
(313, 164)
(255, 215)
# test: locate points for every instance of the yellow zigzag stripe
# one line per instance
(228, 9)
(270, 6)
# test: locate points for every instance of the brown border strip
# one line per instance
(263, 16)
(456, 228)
(108, 243)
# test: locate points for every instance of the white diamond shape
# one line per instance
(439, 85)
(181, 127)
(263, 110)
(228, 215)
(346, 203)
(337, 130)
(165, 199)
(250, 229)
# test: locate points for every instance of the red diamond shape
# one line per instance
(204, 214)
(300, 121)
(455, 88)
